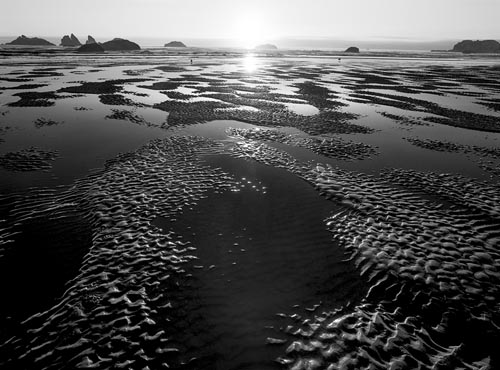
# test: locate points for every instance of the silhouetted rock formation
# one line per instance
(91, 40)
(70, 41)
(479, 46)
(32, 41)
(352, 49)
(118, 44)
(175, 44)
(91, 48)
(66, 41)
(266, 47)
(75, 40)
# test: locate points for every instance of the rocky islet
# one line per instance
(70, 41)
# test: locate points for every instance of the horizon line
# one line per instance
(394, 39)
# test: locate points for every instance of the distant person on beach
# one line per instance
(191, 61)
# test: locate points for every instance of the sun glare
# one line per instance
(248, 31)
(250, 63)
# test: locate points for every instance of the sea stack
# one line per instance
(90, 48)
(478, 46)
(30, 41)
(70, 41)
(266, 47)
(90, 40)
(118, 44)
(175, 44)
(352, 49)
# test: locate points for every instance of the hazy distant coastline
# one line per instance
(286, 43)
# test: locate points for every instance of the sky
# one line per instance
(254, 21)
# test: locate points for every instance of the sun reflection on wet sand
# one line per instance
(250, 63)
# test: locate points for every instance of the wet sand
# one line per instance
(249, 212)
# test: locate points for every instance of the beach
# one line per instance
(230, 210)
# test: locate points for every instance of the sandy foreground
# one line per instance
(249, 211)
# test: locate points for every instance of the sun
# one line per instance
(249, 31)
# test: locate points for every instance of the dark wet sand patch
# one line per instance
(471, 121)
(137, 93)
(438, 145)
(105, 87)
(214, 89)
(24, 87)
(441, 145)
(184, 113)
(172, 68)
(32, 159)
(34, 99)
(176, 95)
(404, 120)
(317, 95)
(127, 115)
(38, 99)
(363, 97)
(45, 122)
(161, 86)
(10, 79)
(118, 99)
(54, 69)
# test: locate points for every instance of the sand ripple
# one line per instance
(433, 299)
(114, 310)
